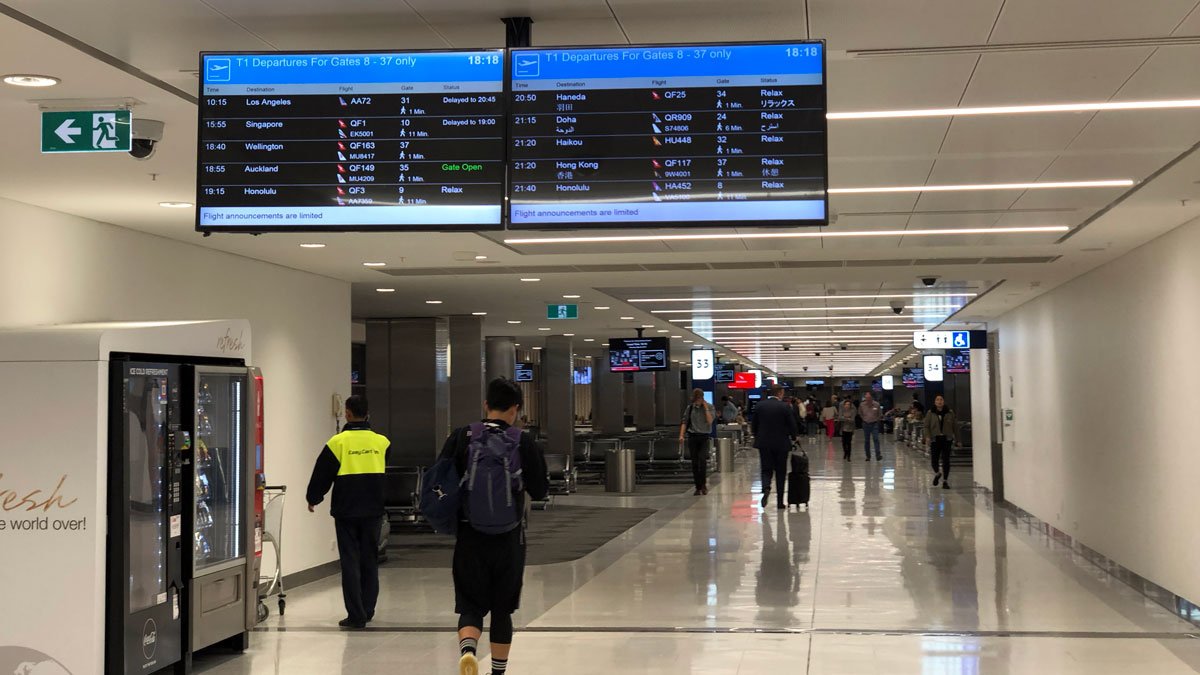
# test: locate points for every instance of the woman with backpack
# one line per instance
(499, 466)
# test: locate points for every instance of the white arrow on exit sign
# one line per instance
(67, 132)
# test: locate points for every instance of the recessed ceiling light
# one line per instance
(512, 321)
(543, 329)
(688, 341)
(530, 279)
(570, 297)
(600, 308)
(820, 233)
(433, 302)
(676, 337)
(312, 245)
(374, 264)
(627, 318)
(478, 313)
(26, 80)
(985, 186)
(175, 205)
(1015, 109)
(589, 339)
(385, 290)
(647, 325)
(537, 349)
(568, 335)
(481, 257)
(662, 330)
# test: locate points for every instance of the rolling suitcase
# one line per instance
(799, 483)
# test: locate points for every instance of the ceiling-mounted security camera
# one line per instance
(844, 346)
(930, 280)
(897, 306)
(806, 369)
(787, 348)
(146, 135)
(817, 354)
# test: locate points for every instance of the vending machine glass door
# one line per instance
(222, 480)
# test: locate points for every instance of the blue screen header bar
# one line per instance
(351, 68)
(800, 58)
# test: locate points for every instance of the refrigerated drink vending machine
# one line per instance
(142, 521)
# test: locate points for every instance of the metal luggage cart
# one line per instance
(272, 584)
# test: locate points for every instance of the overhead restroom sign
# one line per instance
(87, 131)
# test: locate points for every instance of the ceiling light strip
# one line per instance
(983, 186)
(702, 312)
(839, 296)
(790, 234)
(1098, 106)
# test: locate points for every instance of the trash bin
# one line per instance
(619, 475)
(725, 454)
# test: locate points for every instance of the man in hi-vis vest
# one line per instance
(354, 463)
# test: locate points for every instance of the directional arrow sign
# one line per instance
(86, 131)
(68, 131)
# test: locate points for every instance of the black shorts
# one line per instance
(489, 571)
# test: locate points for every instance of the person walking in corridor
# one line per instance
(829, 417)
(696, 429)
(845, 426)
(489, 554)
(774, 426)
(872, 416)
(941, 435)
(354, 463)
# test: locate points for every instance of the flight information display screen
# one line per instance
(634, 355)
(668, 135)
(351, 141)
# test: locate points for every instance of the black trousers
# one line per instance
(847, 442)
(698, 448)
(358, 548)
(774, 465)
(939, 454)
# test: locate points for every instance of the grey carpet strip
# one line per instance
(1074, 635)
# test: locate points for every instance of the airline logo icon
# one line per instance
(219, 70)
(528, 65)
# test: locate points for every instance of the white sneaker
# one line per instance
(468, 665)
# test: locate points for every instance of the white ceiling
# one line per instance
(147, 49)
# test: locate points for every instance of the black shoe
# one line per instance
(946, 484)
(696, 493)
(782, 506)
(878, 458)
(766, 498)
(937, 479)
(868, 458)
(352, 624)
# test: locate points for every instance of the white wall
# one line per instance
(981, 418)
(56, 268)
(1117, 472)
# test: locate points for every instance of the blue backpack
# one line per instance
(493, 479)
(439, 496)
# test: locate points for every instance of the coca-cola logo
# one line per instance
(149, 639)
(228, 343)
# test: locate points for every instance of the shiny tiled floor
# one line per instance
(884, 574)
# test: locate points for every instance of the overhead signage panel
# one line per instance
(351, 141)
(714, 134)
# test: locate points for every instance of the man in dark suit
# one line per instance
(774, 429)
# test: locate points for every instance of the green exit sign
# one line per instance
(87, 131)
(562, 311)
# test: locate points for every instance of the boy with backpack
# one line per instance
(496, 465)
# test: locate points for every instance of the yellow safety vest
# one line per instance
(360, 451)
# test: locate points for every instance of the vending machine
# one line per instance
(143, 520)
